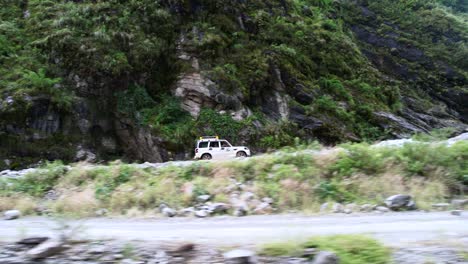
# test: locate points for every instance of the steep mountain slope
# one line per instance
(142, 79)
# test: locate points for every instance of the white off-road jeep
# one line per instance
(214, 148)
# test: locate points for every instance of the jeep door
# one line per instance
(227, 150)
(215, 150)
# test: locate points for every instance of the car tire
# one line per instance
(206, 156)
(241, 154)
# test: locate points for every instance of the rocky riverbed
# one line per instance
(44, 250)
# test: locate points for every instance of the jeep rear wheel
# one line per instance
(241, 154)
(206, 157)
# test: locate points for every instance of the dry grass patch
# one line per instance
(25, 204)
(79, 202)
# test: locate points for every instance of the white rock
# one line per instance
(247, 196)
(459, 203)
(240, 212)
(351, 207)
(453, 140)
(382, 209)
(456, 212)
(441, 206)
(325, 257)
(219, 207)
(101, 212)
(399, 201)
(337, 208)
(169, 212)
(366, 208)
(263, 208)
(203, 198)
(240, 256)
(190, 211)
(267, 200)
(202, 213)
(46, 249)
(11, 214)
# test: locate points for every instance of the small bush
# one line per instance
(39, 182)
(352, 249)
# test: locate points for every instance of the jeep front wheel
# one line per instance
(206, 157)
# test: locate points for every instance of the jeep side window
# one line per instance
(225, 144)
(214, 144)
(203, 145)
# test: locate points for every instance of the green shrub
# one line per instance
(37, 183)
(352, 249)
(211, 122)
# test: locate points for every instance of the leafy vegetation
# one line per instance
(351, 249)
(295, 178)
(125, 58)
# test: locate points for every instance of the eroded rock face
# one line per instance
(197, 91)
(138, 142)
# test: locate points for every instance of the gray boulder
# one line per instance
(325, 257)
(202, 213)
(267, 200)
(366, 208)
(247, 196)
(203, 198)
(46, 249)
(240, 211)
(400, 202)
(240, 256)
(101, 212)
(190, 211)
(456, 212)
(32, 241)
(11, 214)
(459, 203)
(218, 208)
(382, 209)
(263, 208)
(338, 208)
(169, 212)
(440, 206)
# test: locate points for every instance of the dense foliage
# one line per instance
(294, 178)
(124, 55)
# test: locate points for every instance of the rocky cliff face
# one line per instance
(259, 73)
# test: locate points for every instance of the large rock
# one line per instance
(46, 249)
(218, 208)
(203, 198)
(32, 240)
(169, 212)
(459, 203)
(240, 256)
(400, 202)
(202, 213)
(366, 208)
(338, 208)
(441, 206)
(325, 257)
(263, 208)
(382, 209)
(11, 214)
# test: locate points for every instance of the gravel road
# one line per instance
(394, 229)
